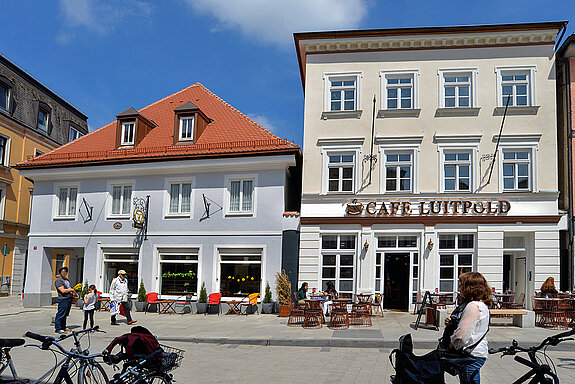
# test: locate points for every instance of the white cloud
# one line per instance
(98, 16)
(264, 121)
(274, 21)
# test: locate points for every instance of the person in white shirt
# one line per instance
(119, 295)
(469, 336)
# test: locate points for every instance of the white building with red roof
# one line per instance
(183, 191)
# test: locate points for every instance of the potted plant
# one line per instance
(268, 305)
(202, 303)
(283, 292)
(76, 298)
(141, 303)
(83, 292)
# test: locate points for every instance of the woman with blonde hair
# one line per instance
(470, 324)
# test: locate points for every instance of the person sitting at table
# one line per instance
(331, 294)
(301, 294)
(548, 287)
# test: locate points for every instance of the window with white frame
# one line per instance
(187, 128)
(457, 170)
(457, 90)
(399, 90)
(516, 169)
(178, 272)
(121, 200)
(338, 255)
(241, 195)
(455, 257)
(340, 172)
(74, 134)
(128, 133)
(517, 86)
(398, 171)
(240, 271)
(67, 199)
(4, 151)
(343, 93)
(43, 119)
(180, 198)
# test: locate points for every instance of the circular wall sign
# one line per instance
(138, 216)
(117, 225)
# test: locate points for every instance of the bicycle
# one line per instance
(77, 361)
(541, 372)
(138, 371)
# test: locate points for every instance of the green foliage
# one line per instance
(142, 292)
(203, 294)
(283, 288)
(85, 290)
(268, 294)
(182, 274)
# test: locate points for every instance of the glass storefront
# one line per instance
(113, 262)
(178, 273)
(240, 272)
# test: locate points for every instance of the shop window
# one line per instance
(179, 273)
(113, 262)
(338, 260)
(240, 272)
(455, 257)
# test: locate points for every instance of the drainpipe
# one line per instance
(567, 69)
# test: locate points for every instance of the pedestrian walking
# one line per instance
(65, 294)
(90, 305)
(119, 295)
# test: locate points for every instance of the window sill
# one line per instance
(239, 214)
(65, 218)
(529, 110)
(118, 217)
(398, 113)
(457, 112)
(341, 114)
(177, 216)
(517, 191)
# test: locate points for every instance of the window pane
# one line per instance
(446, 241)
(378, 258)
(522, 155)
(346, 285)
(346, 273)
(186, 196)
(174, 198)
(405, 157)
(450, 102)
(508, 170)
(333, 173)
(239, 277)
(464, 184)
(347, 186)
(333, 186)
(522, 170)
(4, 93)
(329, 242)
(126, 205)
(446, 286)
(391, 185)
(349, 105)
(347, 242)
(391, 172)
(465, 259)
(508, 155)
(116, 195)
(464, 102)
(235, 196)
(72, 202)
(179, 278)
(450, 156)
(406, 93)
(391, 103)
(508, 183)
(406, 103)
(248, 189)
(464, 171)
(465, 241)
(347, 158)
(328, 273)
(446, 273)
(523, 183)
(62, 203)
(449, 91)
(407, 241)
(405, 184)
(378, 272)
(329, 259)
(335, 95)
(521, 100)
(349, 83)
(386, 241)
(349, 95)
(347, 172)
(463, 91)
(445, 260)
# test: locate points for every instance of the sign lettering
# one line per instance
(428, 207)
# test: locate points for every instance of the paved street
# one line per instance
(238, 362)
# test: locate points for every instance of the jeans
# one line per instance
(88, 313)
(64, 306)
(469, 373)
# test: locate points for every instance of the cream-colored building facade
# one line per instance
(400, 131)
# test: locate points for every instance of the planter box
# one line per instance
(268, 307)
(140, 306)
(284, 310)
(201, 307)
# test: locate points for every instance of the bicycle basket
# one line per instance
(171, 358)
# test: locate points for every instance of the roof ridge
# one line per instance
(164, 98)
(243, 115)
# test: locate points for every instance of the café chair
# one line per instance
(296, 314)
(152, 298)
(251, 303)
(339, 318)
(214, 300)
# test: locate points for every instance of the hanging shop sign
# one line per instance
(428, 207)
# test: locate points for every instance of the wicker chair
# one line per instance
(296, 314)
(339, 316)
(313, 315)
(359, 316)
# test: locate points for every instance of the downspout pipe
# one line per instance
(567, 69)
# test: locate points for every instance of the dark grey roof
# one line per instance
(189, 106)
(128, 113)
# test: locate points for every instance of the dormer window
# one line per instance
(6, 89)
(128, 129)
(187, 128)
(43, 118)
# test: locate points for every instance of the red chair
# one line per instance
(214, 299)
(151, 298)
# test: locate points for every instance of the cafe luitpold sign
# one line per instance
(428, 207)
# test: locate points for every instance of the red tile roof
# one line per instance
(231, 133)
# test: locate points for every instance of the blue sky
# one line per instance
(104, 56)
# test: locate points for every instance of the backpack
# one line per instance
(138, 343)
(412, 369)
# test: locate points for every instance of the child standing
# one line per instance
(90, 305)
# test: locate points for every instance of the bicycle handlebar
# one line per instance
(48, 341)
(551, 340)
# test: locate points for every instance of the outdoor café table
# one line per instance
(552, 315)
(104, 303)
(167, 306)
(234, 307)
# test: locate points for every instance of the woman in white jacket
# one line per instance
(119, 295)
(473, 325)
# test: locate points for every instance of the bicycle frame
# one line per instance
(538, 371)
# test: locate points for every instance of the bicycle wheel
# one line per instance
(159, 378)
(92, 373)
